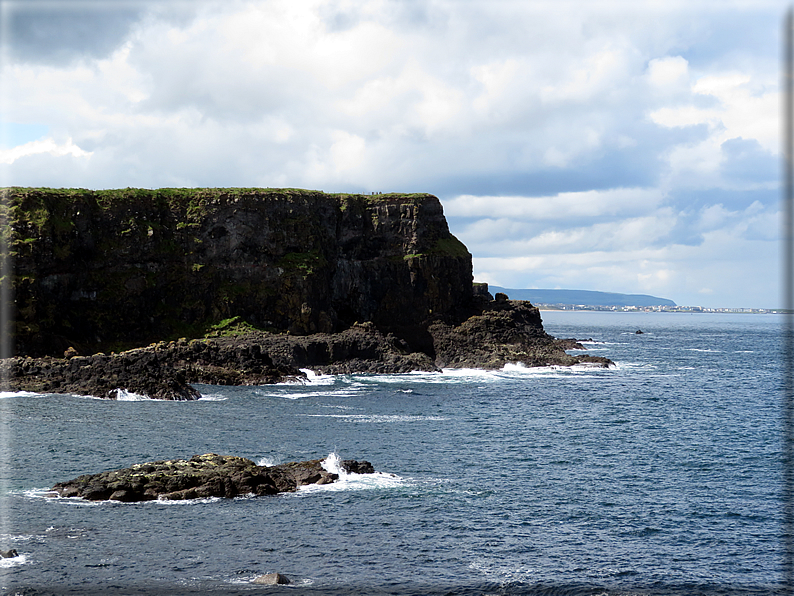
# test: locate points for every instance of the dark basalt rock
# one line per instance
(505, 331)
(336, 283)
(358, 467)
(202, 476)
(160, 371)
(497, 333)
(95, 270)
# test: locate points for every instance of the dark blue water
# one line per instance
(659, 476)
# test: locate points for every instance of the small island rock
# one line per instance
(202, 476)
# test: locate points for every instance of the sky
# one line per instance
(620, 146)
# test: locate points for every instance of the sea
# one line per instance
(661, 475)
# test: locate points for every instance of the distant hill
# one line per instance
(585, 297)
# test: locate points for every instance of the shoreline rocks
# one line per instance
(202, 476)
(496, 333)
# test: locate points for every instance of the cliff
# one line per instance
(101, 270)
(245, 287)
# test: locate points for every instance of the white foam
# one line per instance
(37, 493)
(350, 480)
(516, 369)
(162, 501)
(447, 375)
(312, 378)
(246, 580)
(16, 538)
(266, 461)
(353, 385)
(631, 365)
(9, 394)
(50, 495)
(377, 417)
(124, 395)
(20, 559)
(346, 392)
(212, 397)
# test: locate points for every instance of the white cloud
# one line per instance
(668, 73)
(44, 146)
(571, 135)
(347, 152)
(623, 202)
(743, 108)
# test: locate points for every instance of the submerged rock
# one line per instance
(272, 579)
(202, 476)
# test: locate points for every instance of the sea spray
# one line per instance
(350, 481)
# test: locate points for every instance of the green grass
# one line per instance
(229, 328)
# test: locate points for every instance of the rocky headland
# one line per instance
(150, 291)
(202, 476)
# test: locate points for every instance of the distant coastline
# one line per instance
(590, 300)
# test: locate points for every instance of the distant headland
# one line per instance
(610, 301)
(584, 297)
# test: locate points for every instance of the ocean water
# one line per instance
(661, 475)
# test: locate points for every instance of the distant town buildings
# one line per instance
(656, 308)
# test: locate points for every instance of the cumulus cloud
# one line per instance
(599, 132)
(45, 146)
(622, 202)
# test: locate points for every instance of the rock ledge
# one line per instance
(202, 476)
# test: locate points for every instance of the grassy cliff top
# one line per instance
(21, 205)
(127, 193)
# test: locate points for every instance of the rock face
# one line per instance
(100, 270)
(505, 331)
(271, 281)
(202, 476)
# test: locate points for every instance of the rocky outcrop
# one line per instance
(159, 371)
(505, 331)
(104, 270)
(265, 282)
(202, 476)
